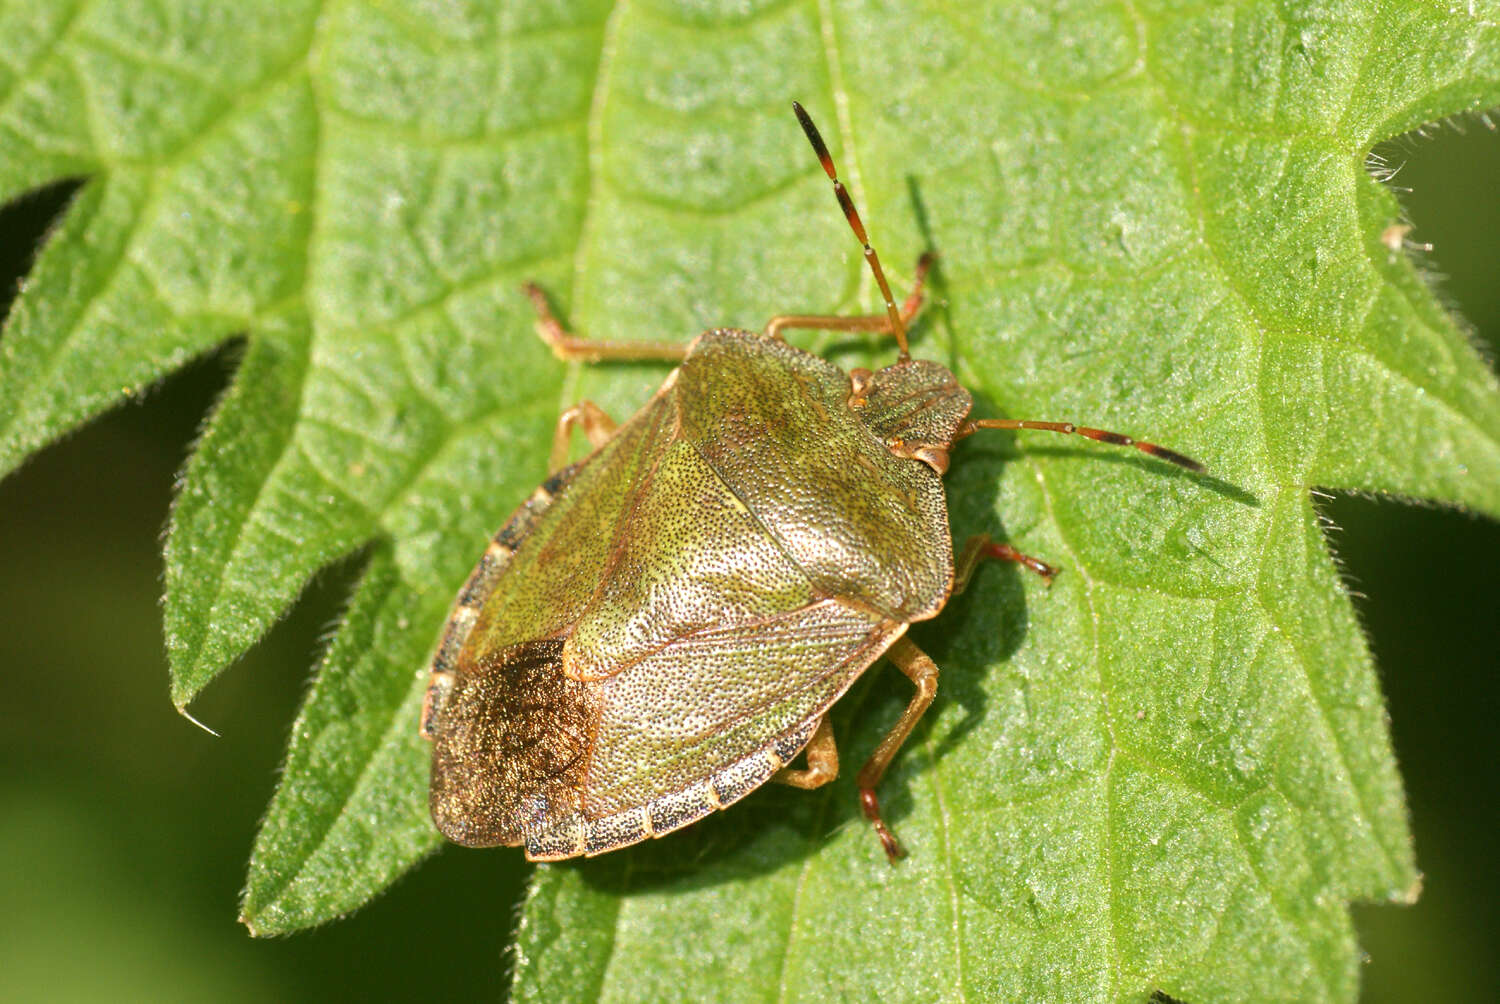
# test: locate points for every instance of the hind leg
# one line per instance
(822, 761)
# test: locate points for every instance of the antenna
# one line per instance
(898, 327)
(1098, 435)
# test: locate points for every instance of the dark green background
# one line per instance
(124, 830)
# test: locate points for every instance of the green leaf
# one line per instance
(1169, 772)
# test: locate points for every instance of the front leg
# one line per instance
(878, 323)
(982, 546)
(567, 346)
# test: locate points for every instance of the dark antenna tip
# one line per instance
(815, 138)
(897, 325)
(1089, 432)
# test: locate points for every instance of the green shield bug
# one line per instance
(662, 626)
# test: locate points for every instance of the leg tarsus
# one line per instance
(982, 546)
(922, 672)
(822, 761)
(870, 803)
(597, 427)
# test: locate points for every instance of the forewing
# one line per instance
(569, 549)
(695, 557)
(507, 726)
(695, 708)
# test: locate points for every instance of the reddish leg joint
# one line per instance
(871, 805)
(1004, 552)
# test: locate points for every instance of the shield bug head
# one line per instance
(663, 626)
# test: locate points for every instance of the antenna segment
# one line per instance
(898, 327)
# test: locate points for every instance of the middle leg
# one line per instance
(567, 346)
(597, 428)
(822, 761)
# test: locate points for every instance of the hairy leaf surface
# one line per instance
(1169, 772)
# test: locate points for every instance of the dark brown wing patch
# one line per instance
(510, 746)
(481, 580)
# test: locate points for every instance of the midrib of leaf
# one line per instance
(794, 908)
(614, 931)
(945, 851)
(1111, 975)
(860, 280)
(594, 130)
(844, 119)
(782, 984)
(849, 171)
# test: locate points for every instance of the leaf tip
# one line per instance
(192, 665)
(261, 919)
